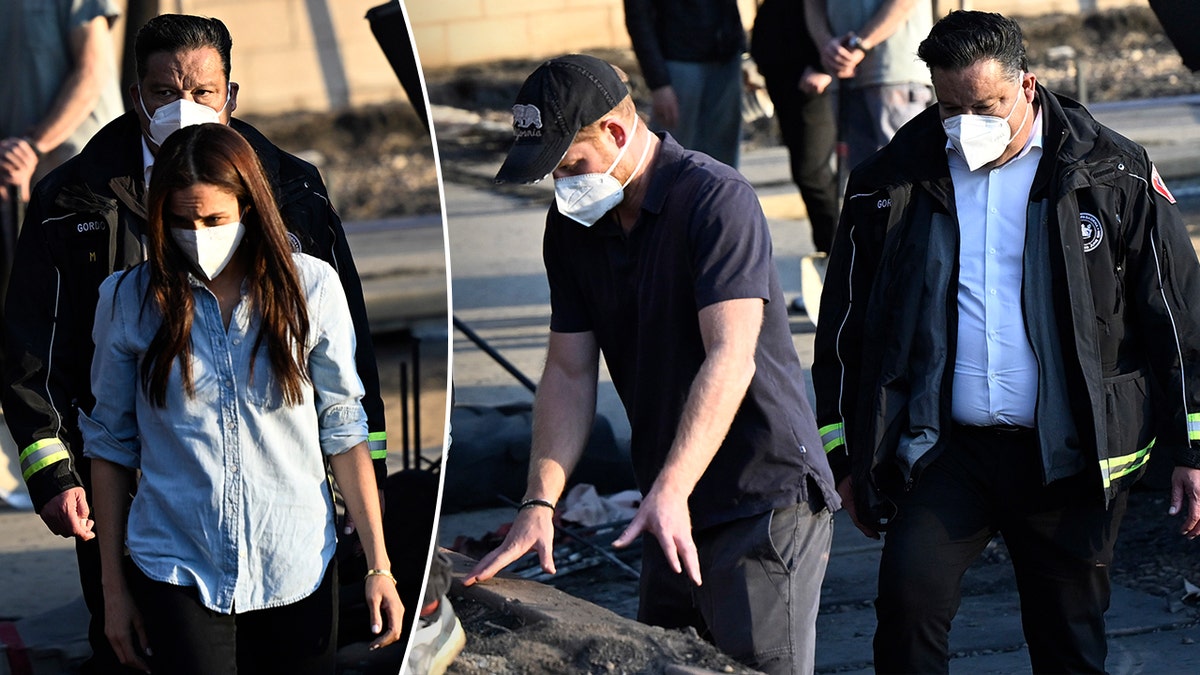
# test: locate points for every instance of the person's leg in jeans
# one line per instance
(710, 107)
(762, 585)
(687, 79)
(720, 134)
(809, 130)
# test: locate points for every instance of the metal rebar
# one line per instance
(582, 539)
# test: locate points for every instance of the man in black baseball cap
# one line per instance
(660, 258)
(546, 118)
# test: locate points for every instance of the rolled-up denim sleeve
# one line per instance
(110, 430)
(338, 389)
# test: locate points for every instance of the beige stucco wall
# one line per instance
(287, 58)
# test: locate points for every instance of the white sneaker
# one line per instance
(439, 638)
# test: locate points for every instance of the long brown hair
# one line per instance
(214, 154)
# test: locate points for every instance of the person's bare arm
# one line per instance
(355, 477)
(836, 59)
(886, 21)
(730, 333)
(817, 21)
(94, 64)
(112, 485)
(563, 411)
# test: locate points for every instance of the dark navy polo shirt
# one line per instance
(701, 238)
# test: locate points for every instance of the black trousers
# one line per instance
(1060, 538)
(187, 638)
(809, 130)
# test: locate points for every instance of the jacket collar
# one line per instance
(916, 154)
(111, 163)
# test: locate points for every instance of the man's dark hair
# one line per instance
(962, 38)
(178, 33)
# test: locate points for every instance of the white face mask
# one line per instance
(980, 139)
(210, 249)
(178, 114)
(587, 197)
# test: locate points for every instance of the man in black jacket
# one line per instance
(85, 221)
(1008, 328)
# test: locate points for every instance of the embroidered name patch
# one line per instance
(1090, 231)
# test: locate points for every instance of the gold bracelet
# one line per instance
(379, 573)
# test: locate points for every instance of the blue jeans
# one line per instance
(710, 107)
(762, 586)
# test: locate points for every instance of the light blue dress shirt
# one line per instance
(233, 497)
(995, 372)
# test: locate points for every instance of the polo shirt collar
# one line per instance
(664, 170)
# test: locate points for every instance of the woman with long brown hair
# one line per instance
(224, 372)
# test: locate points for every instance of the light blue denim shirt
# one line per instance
(233, 497)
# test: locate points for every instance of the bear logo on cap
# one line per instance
(526, 117)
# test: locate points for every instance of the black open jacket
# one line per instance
(1111, 311)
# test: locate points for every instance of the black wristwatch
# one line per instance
(855, 43)
(33, 146)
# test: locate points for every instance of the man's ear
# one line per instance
(135, 96)
(614, 127)
(233, 94)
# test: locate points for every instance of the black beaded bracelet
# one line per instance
(535, 502)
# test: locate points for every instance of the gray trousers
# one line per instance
(762, 587)
(872, 114)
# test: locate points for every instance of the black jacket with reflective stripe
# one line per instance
(84, 222)
(1117, 340)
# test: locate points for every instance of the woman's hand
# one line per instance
(123, 627)
(385, 608)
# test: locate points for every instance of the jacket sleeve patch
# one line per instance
(1159, 186)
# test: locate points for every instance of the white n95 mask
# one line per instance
(178, 114)
(980, 139)
(587, 197)
(210, 249)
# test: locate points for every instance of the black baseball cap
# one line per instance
(562, 96)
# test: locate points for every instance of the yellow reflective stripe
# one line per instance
(1193, 422)
(377, 444)
(833, 436)
(42, 454)
(1116, 467)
